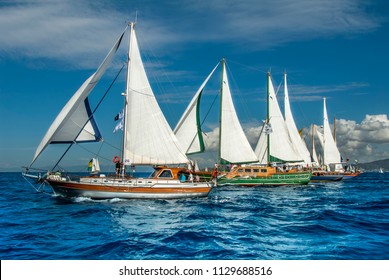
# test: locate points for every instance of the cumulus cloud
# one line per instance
(365, 141)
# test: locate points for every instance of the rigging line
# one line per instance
(238, 93)
(161, 81)
(206, 115)
(248, 67)
(41, 187)
(91, 152)
(90, 117)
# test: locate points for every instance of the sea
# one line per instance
(346, 220)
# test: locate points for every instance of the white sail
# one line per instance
(148, 138)
(76, 115)
(188, 129)
(234, 146)
(280, 145)
(295, 137)
(331, 152)
(315, 159)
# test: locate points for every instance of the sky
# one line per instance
(334, 49)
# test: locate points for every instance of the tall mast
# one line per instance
(267, 118)
(126, 94)
(313, 141)
(324, 138)
(220, 112)
(335, 129)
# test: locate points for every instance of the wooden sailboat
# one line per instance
(332, 168)
(318, 173)
(147, 140)
(274, 146)
(234, 148)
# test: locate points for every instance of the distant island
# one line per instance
(375, 165)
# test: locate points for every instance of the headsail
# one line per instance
(188, 129)
(234, 146)
(280, 145)
(297, 141)
(76, 115)
(148, 138)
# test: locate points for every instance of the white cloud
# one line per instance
(66, 31)
(367, 141)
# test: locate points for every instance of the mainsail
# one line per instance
(277, 140)
(295, 137)
(234, 146)
(330, 150)
(76, 115)
(148, 138)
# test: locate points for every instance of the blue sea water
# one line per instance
(332, 221)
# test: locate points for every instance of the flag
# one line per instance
(90, 164)
(119, 115)
(119, 126)
(267, 129)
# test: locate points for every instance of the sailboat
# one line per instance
(332, 168)
(234, 148)
(275, 149)
(94, 166)
(147, 140)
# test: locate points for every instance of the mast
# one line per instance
(267, 118)
(313, 141)
(335, 129)
(125, 95)
(220, 111)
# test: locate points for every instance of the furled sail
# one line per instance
(234, 146)
(76, 115)
(188, 129)
(297, 141)
(280, 145)
(331, 152)
(148, 138)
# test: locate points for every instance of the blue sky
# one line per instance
(337, 49)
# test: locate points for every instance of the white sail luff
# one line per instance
(187, 130)
(148, 136)
(234, 146)
(75, 104)
(295, 137)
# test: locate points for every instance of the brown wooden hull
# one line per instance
(123, 191)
